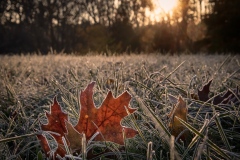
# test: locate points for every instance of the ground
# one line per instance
(29, 82)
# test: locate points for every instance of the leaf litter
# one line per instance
(105, 119)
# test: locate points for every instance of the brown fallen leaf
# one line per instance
(179, 110)
(194, 96)
(203, 94)
(74, 137)
(227, 97)
(172, 99)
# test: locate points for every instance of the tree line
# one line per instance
(80, 26)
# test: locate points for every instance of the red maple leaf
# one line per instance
(105, 119)
(44, 144)
(56, 122)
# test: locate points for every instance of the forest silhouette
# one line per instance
(118, 26)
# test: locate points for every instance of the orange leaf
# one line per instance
(56, 126)
(105, 119)
(179, 110)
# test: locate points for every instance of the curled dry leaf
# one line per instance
(179, 110)
(105, 119)
(172, 99)
(74, 137)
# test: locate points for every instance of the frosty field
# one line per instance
(28, 84)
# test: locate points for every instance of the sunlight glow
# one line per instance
(165, 5)
(161, 8)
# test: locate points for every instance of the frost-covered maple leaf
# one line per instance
(105, 119)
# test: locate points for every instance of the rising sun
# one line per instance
(164, 6)
(161, 9)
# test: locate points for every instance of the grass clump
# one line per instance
(28, 84)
